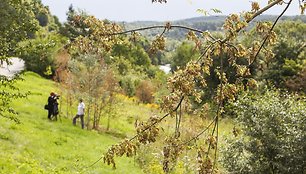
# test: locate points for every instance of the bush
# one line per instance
(145, 91)
(39, 53)
(273, 139)
(128, 86)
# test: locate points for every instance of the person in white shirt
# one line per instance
(80, 113)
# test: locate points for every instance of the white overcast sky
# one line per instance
(145, 10)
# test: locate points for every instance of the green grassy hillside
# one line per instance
(38, 145)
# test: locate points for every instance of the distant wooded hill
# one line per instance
(210, 23)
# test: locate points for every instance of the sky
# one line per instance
(145, 10)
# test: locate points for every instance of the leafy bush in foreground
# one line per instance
(274, 137)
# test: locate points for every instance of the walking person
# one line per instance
(80, 113)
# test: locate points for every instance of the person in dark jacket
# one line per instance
(52, 106)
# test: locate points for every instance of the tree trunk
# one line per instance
(89, 101)
(95, 124)
(100, 108)
(109, 110)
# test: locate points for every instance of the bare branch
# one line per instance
(200, 133)
(166, 26)
(206, 49)
(95, 162)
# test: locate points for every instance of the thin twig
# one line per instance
(219, 112)
(192, 29)
(162, 32)
(176, 123)
(259, 12)
(159, 120)
(200, 133)
(268, 34)
(217, 139)
(95, 162)
(218, 109)
(179, 121)
(206, 49)
(159, 26)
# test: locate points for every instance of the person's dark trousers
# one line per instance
(50, 113)
(55, 117)
(82, 120)
(55, 112)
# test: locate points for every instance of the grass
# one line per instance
(38, 145)
(127, 111)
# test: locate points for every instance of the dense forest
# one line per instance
(233, 100)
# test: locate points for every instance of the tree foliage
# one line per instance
(17, 23)
(135, 54)
(289, 53)
(39, 53)
(272, 136)
(9, 92)
(44, 17)
(183, 54)
(87, 74)
(75, 25)
(287, 58)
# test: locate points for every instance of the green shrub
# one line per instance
(128, 86)
(144, 92)
(39, 53)
(273, 138)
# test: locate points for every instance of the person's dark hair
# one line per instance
(52, 93)
(80, 100)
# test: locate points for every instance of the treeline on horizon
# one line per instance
(209, 23)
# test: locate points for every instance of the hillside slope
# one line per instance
(210, 23)
(38, 145)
